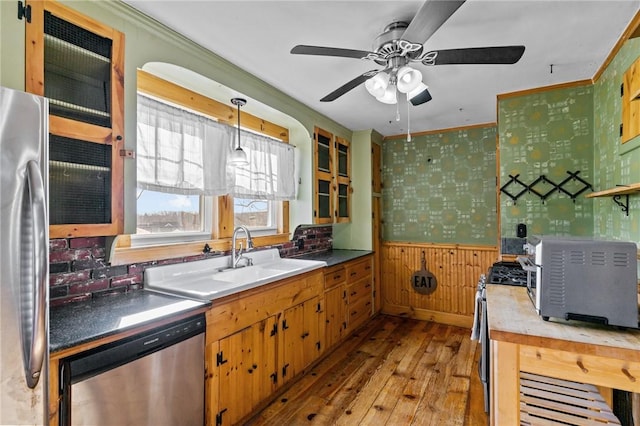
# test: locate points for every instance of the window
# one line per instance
(178, 194)
(160, 213)
(257, 215)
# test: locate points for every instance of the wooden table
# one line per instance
(581, 352)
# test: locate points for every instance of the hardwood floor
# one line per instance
(393, 371)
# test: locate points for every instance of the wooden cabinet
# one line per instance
(242, 369)
(332, 178)
(359, 291)
(335, 304)
(302, 337)
(630, 93)
(78, 63)
(348, 298)
(258, 340)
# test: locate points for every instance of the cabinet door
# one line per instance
(78, 63)
(324, 179)
(246, 367)
(302, 342)
(335, 306)
(343, 178)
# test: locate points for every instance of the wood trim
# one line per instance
(457, 320)
(79, 130)
(124, 254)
(174, 93)
(437, 245)
(435, 132)
(632, 30)
(34, 50)
(527, 92)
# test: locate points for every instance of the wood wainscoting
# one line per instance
(456, 269)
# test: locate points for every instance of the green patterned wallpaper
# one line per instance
(615, 163)
(440, 187)
(547, 133)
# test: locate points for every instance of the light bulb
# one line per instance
(238, 157)
(389, 96)
(408, 79)
(377, 84)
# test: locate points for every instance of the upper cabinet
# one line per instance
(630, 93)
(78, 64)
(332, 178)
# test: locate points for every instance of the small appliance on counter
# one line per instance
(583, 279)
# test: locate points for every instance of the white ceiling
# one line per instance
(574, 35)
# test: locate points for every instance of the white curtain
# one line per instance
(270, 174)
(182, 152)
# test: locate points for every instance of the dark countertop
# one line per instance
(76, 323)
(335, 256)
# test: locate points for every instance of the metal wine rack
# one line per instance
(523, 188)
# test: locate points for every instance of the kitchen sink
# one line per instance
(213, 278)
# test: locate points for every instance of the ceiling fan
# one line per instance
(402, 43)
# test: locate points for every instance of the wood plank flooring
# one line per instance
(392, 371)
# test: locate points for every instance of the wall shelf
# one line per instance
(617, 193)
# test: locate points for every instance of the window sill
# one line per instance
(121, 252)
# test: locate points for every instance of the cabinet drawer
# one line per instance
(359, 312)
(359, 270)
(359, 290)
(334, 276)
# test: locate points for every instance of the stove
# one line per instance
(507, 273)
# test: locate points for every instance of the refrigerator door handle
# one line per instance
(38, 344)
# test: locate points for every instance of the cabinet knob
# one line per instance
(119, 138)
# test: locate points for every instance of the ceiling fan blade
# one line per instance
(421, 98)
(431, 15)
(349, 85)
(302, 49)
(477, 55)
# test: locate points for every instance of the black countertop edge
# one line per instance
(81, 322)
(335, 256)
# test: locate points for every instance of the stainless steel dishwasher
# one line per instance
(152, 378)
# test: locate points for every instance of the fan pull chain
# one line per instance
(397, 111)
(408, 120)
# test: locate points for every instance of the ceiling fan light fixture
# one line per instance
(408, 79)
(377, 84)
(389, 96)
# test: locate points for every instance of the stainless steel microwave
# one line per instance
(583, 279)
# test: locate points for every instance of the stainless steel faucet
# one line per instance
(235, 257)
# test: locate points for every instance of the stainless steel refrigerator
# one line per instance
(24, 258)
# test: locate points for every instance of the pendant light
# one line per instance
(238, 157)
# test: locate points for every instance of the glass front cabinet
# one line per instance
(332, 181)
(78, 64)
